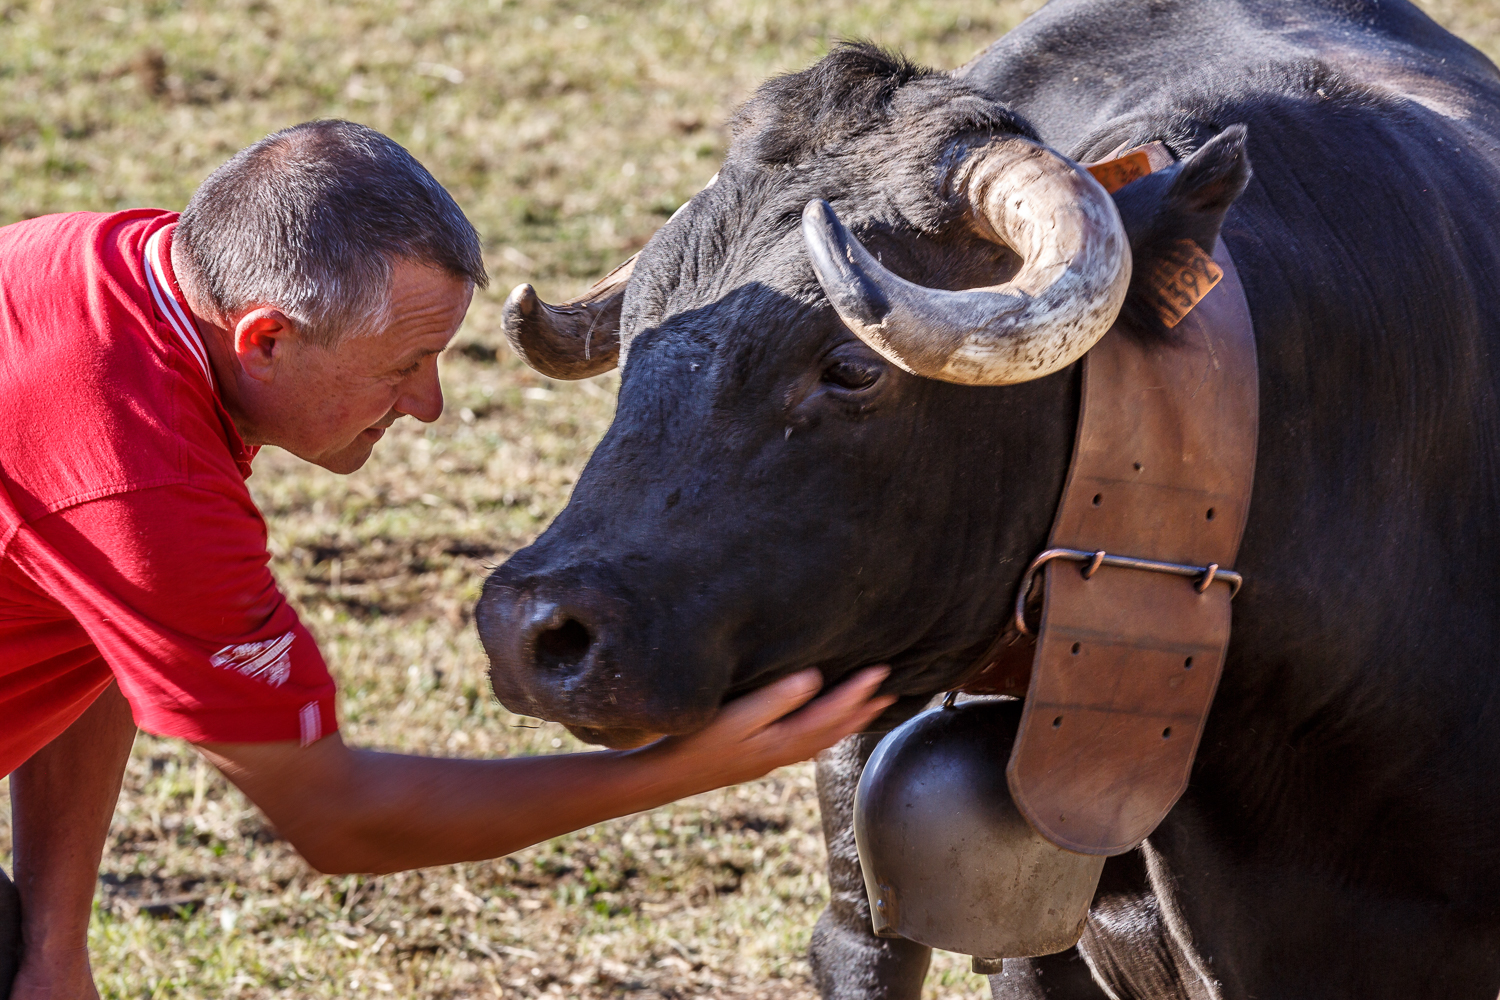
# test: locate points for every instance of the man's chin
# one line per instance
(350, 458)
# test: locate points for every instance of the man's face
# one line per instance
(332, 404)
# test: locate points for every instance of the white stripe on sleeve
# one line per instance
(312, 723)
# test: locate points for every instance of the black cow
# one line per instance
(775, 494)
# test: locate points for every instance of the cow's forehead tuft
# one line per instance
(857, 92)
(871, 133)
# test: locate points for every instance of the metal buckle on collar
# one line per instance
(1206, 575)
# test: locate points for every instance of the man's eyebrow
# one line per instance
(415, 358)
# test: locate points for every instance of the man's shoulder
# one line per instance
(99, 400)
(77, 237)
(75, 267)
(83, 222)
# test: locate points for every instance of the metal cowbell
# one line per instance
(948, 860)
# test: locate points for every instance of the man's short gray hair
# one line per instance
(311, 220)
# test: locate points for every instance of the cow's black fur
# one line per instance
(750, 513)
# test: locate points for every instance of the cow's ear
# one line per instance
(1188, 199)
(1185, 201)
(1209, 181)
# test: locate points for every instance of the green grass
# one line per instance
(568, 131)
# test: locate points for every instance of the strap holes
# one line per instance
(1138, 467)
(1166, 734)
(1099, 498)
(1057, 722)
(1076, 647)
(1210, 513)
(1187, 664)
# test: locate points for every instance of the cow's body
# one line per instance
(1341, 835)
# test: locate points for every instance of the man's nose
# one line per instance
(422, 395)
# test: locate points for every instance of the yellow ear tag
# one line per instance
(1115, 174)
(1126, 165)
(1179, 280)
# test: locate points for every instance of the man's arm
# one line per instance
(62, 801)
(359, 811)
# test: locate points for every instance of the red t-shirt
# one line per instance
(129, 546)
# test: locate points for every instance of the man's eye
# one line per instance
(851, 373)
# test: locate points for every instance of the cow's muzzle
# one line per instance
(565, 651)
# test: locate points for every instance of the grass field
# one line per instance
(568, 131)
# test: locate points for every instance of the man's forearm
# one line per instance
(419, 812)
(350, 810)
(364, 811)
(62, 800)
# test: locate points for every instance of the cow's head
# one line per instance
(833, 446)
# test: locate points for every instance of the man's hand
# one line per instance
(758, 733)
(360, 811)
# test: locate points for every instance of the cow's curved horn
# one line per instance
(1070, 287)
(573, 339)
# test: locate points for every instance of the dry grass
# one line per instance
(569, 131)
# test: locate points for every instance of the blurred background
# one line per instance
(568, 132)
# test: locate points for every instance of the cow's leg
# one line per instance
(1129, 941)
(1127, 945)
(1067, 976)
(10, 934)
(1051, 977)
(848, 961)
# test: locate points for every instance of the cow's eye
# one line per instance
(852, 373)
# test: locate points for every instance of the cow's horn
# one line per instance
(1070, 287)
(573, 339)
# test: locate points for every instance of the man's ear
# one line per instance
(261, 338)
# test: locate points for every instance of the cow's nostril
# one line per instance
(564, 646)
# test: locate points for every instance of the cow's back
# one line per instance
(1078, 64)
(1358, 693)
(1367, 242)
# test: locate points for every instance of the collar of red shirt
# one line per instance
(170, 302)
(169, 299)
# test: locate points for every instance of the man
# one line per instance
(300, 300)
